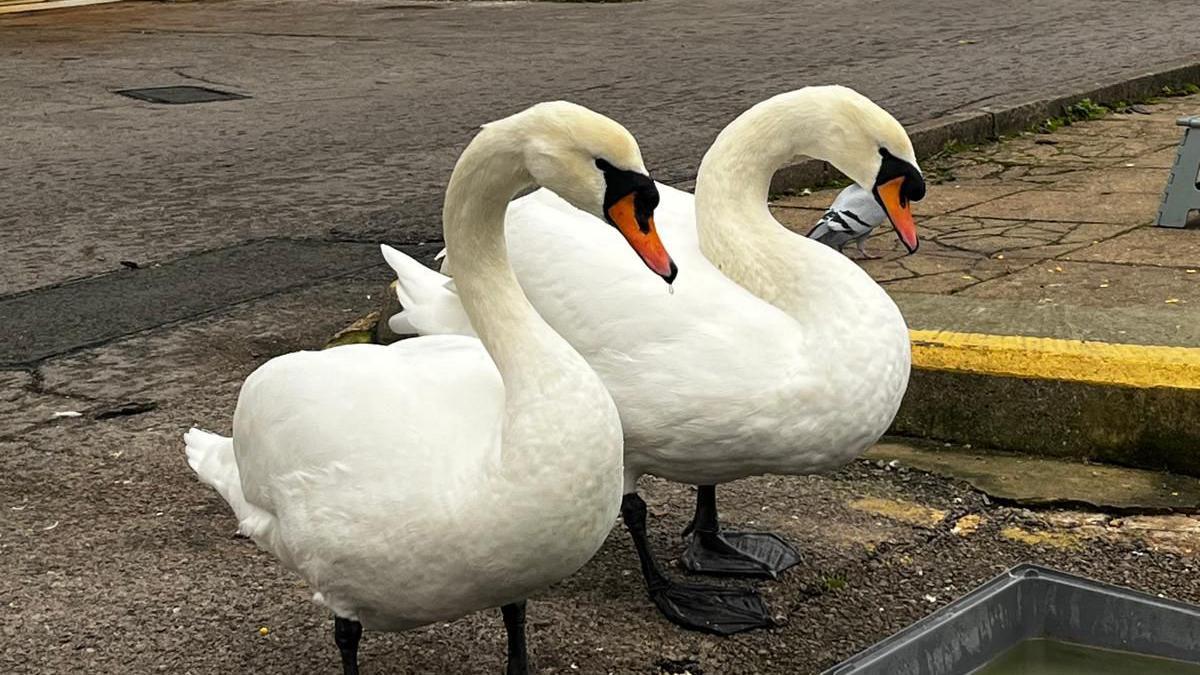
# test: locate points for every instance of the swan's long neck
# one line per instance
(736, 229)
(544, 378)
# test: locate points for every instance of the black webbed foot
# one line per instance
(741, 554)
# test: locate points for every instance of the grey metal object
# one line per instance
(1029, 601)
(1182, 195)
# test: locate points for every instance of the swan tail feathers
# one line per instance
(211, 457)
(429, 299)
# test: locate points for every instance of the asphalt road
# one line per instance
(249, 224)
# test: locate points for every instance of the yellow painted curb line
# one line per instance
(1055, 359)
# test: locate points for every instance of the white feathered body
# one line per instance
(375, 473)
(712, 383)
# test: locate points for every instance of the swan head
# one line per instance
(594, 164)
(868, 145)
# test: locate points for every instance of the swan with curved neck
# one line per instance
(832, 123)
(419, 483)
(775, 354)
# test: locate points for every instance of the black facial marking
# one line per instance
(620, 183)
(913, 187)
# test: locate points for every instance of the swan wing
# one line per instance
(345, 437)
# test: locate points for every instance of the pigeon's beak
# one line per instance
(896, 205)
(637, 227)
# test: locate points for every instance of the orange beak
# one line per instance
(898, 211)
(642, 237)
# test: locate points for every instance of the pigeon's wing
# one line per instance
(832, 230)
(859, 209)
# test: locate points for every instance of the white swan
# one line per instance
(775, 354)
(421, 482)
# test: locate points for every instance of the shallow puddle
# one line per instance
(1051, 657)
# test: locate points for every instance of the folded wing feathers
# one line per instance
(853, 216)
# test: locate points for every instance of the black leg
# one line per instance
(514, 624)
(346, 633)
(748, 554)
(710, 609)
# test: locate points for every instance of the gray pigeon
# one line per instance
(853, 216)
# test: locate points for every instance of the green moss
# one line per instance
(835, 582)
(1080, 111)
(360, 332)
(1086, 110)
(955, 146)
(354, 337)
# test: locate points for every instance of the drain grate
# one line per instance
(180, 95)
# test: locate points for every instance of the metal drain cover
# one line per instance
(180, 95)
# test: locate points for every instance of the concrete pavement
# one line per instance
(358, 108)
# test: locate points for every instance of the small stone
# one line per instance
(264, 631)
(967, 525)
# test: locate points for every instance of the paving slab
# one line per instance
(1071, 207)
(1146, 247)
(1034, 481)
(1096, 285)
(1132, 325)
(1117, 179)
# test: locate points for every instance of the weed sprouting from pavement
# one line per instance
(835, 582)
(1081, 111)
